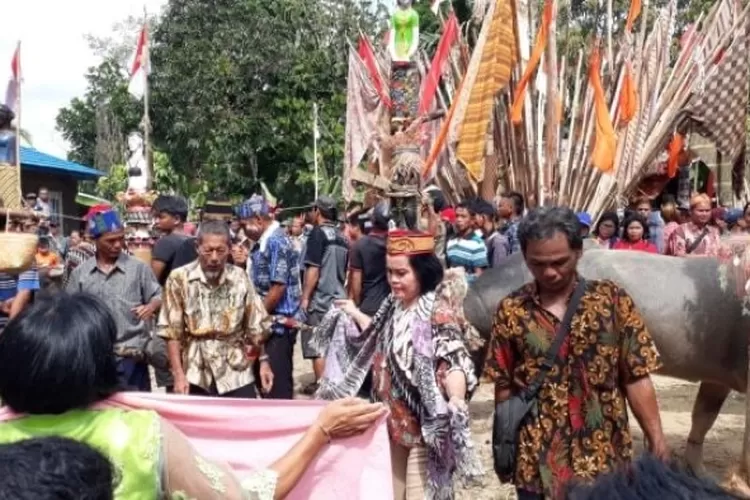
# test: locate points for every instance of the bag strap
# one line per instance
(697, 241)
(554, 349)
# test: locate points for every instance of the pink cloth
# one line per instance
(250, 434)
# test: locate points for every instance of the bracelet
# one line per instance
(325, 432)
(264, 357)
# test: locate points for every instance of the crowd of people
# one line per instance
(377, 311)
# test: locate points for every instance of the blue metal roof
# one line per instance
(36, 160)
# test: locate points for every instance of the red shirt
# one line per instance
(643, 246)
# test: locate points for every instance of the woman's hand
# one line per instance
(349, 417)
(347, 305)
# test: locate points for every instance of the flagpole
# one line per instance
(315, 145)
(18, 118)
(146, 118)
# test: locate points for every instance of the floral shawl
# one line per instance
(438, 334)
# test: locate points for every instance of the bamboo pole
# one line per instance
(551, 124)
(146, 99)
(18, 121)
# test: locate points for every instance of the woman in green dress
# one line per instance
(57, 361)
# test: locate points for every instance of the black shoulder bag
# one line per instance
(697, 241)
(512, 413)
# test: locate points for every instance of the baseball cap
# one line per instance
(584, 219)
(325, 202)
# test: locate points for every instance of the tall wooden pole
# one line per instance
(146, 63)
(552, 125)
(19, 77)
(315, 146)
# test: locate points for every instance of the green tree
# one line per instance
(80, 121)
(234, 83)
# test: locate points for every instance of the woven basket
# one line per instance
(10, 186)
(17, 251)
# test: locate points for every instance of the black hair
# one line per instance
(214, 227)
(381, 215)
(648, 478)
(356, 218)
(6, 116)
(607, 216)
(544, 222)
(518, 202)
(635, 217)
(439, 202)
(484, 207)
(58, 355)
(429, 271)
(52, 468)
(469, 206)
(328, 213)
(176, 206)
(744, 210)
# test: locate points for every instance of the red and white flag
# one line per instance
(12, 93)
(435, 6)
(140, 67)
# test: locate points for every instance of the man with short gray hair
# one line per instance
(211, 314)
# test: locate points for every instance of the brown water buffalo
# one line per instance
(690, 306)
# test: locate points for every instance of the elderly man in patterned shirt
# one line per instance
(275, 274)
(211, 315)
(128, 287)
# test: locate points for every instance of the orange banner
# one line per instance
(536, 56)
(605, 139)
(628, 102)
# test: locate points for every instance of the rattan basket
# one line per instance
(17, 251)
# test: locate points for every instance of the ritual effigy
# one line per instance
(137, 201)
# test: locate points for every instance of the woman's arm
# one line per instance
(185, 471)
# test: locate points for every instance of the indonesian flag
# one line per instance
(140, 67)
(14, 83)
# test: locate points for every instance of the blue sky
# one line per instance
(54, 54)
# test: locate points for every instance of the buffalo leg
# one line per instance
(707, 406)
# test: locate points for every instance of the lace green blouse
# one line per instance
(151, 457)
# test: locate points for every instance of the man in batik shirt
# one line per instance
(581, 430)
(276, 278)
(211, 315)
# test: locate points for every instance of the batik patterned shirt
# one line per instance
(214, 325)
(275, 261)
(581, 430)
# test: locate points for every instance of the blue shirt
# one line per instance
(275, 261)
(510, 231)
(10, 285)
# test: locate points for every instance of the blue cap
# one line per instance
(732, 216)
(254, 206)
(104, 222)
(584, 219)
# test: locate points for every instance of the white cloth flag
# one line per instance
(11, 93)
(140, 67)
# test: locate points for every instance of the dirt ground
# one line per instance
(721, 451)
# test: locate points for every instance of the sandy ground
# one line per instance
(722, 446)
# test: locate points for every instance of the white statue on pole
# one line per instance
(137, 167)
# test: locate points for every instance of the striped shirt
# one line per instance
(10, 285)
(469, 253)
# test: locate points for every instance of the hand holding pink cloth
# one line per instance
(251, 434)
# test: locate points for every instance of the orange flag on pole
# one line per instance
(675, 148)
(628, 102)
(605, 139)
(536, 55)
(633, 13)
